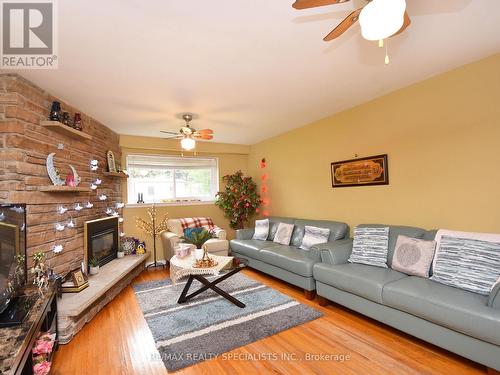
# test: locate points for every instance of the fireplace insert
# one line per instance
(101, 240)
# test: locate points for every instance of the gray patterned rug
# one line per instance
(209, 325)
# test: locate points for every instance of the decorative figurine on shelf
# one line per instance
(110, 156)
(70, 181)
(55, 112)
(140, 198)
(141, 248)
(77, 122)
(39, 269)
(55, 176)
(129, 245)
(65, 119)
(154, 229)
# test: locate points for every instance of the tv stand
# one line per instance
(17, 341)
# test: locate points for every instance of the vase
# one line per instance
(120, 254)
(94, 270)
(198, 254)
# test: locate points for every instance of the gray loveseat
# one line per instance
(288, 263)
(463, 322)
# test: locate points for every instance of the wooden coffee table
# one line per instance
(236, 266)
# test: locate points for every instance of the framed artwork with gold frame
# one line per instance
(372, 170)
(78, 277)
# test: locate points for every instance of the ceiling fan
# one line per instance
(379, 19)
(188, 135)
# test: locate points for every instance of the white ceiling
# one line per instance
(250, 69)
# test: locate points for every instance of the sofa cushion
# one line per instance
(289, 258)
(261, 230)
(413, 256)
(249, 248)
(466, 263)
(274, 222)
(360, 279)
(283, 234)
(457, 309)
(314, 236)
(394, 232)
(370, 246)
(337, 230)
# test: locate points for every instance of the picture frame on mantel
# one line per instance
(110, 156)
(368, 171)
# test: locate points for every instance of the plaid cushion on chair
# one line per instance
(197, 222)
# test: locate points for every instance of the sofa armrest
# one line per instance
(244, 234)
(169, 241)
(337, 252)
(220, 234)
(494, 299)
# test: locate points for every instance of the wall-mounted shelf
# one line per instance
(115, 174)
(65, 130)
(63, 189)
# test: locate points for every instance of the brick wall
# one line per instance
(24, 146)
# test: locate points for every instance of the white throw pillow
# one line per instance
(370, 246)
(314, 236)
(261, 229)
(413, 256)
(284, 234)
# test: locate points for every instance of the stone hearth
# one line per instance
(76, 309)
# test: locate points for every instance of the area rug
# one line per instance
(209, 325)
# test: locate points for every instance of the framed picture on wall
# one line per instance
(372, 170)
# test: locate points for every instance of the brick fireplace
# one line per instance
(24, 146)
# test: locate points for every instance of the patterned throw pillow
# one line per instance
(468, 264)
(370, 246)
(261, 229)
(314, 236)
(413, 256)
(284, 234)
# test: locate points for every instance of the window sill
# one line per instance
(163, 204)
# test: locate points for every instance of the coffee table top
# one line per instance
(181, 267)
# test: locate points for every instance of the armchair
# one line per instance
(170, 238)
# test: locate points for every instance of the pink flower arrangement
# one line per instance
(44, 344)
(42, 368)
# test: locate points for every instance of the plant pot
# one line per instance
(120, 254)
(94, 270)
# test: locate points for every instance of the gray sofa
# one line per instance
(463, 322)
(288, 263)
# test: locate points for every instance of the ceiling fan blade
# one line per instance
(406, 23)
(174, 137)
(343, 26)
(305, 4)
(204, 136)
(205, 131)
(167, 132)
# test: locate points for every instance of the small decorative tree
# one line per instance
(239, 200)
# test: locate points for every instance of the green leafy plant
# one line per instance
(94, 262)
(239, 200)
(198, 238)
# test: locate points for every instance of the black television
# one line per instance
(13, 272)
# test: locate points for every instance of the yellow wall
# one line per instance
(442, 136)
(231, 158)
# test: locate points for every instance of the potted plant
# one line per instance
(197, 237)
(121, 252)
(239, 200)
(94, 266)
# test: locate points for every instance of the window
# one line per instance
(171, 179)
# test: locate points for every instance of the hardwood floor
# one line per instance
(118, 341)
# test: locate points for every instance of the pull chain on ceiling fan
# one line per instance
(188, 135)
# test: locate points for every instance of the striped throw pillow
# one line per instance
(469, 264)
(314, 236)
(370, 246)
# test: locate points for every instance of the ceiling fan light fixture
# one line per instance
(381, 19)
(188, 143)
